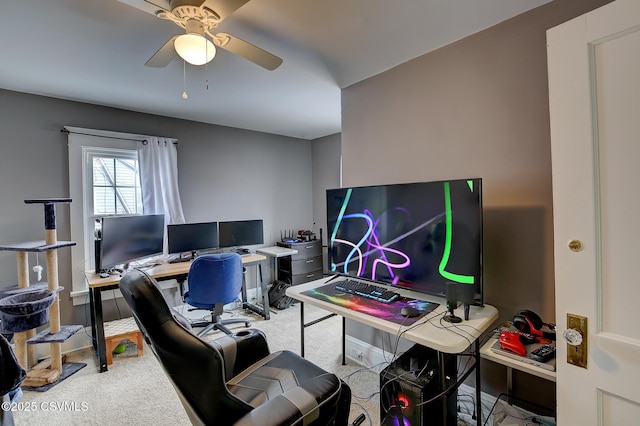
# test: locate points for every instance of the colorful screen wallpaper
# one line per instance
(418, 236)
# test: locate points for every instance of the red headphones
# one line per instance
(529, 322)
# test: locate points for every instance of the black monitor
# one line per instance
(129, 238)
(419, 236)
(192, 237)
(241, 233)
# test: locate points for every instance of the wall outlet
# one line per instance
(357, 354)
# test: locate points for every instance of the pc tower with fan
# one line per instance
(409, 383)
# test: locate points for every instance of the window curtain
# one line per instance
(158, 158)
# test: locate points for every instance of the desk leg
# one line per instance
(265, 295)
(99, 330)
(92, 314)
(264, 310)
(302, 329)
(275, 269)
(478, 384)
(244, 285)
(443, 386)
(344, 341)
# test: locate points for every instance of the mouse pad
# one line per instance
(385, 311)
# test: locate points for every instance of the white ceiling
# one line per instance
(94, 51)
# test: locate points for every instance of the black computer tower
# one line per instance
(413, 379)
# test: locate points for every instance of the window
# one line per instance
(111, 188)
(103, 180)
(116, 184)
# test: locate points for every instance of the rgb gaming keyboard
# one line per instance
(370, 291)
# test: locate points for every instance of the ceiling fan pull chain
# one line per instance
(206, 66)
(184, 80)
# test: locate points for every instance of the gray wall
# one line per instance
(326, 153)
(224, 174)
(475, 108)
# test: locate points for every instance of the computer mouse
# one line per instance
(409, 311)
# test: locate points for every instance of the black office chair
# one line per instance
(215, 280)
(234, 380)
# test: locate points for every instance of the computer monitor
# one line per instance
(192, 237)
(420, 236)
(241, 233)
(129, 238)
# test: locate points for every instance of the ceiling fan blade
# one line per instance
(164, 55)
(149, 6)
(247, 50)
(224, 8)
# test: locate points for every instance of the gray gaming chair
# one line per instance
(234, 380)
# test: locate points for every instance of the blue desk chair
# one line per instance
(215, 280)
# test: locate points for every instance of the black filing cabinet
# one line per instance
(304, 266)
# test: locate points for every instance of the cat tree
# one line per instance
(26, 307)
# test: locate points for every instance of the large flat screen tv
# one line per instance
(239, 233)
(419, 236)
(129, 238)
(192, 237)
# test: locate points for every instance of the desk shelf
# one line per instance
(488, 354)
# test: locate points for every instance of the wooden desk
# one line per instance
(442, 337)
(165, 271)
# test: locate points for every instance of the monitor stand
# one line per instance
(452, 318)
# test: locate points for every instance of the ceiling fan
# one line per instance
(200, 18)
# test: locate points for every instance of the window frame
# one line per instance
(89, 215)
(79, 141)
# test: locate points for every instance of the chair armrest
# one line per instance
(241, 349)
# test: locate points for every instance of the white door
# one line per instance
(594, 91)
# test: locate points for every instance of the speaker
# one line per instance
(97, 246)
(414, 378)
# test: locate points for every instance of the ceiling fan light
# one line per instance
(194, 48)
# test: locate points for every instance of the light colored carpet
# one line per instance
(135, 390)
